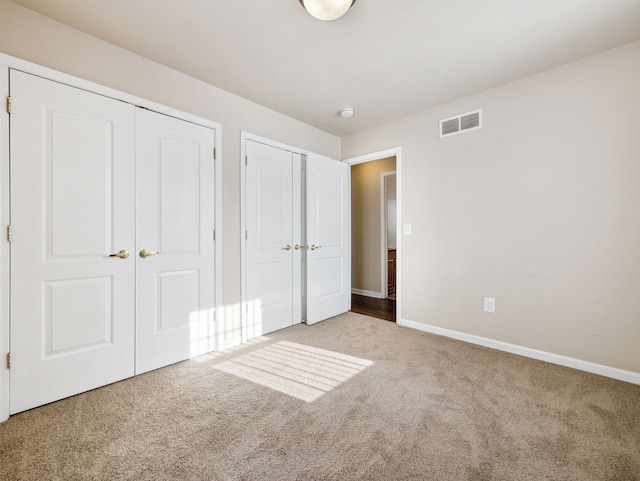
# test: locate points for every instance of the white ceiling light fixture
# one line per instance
(346, 113)
(327, 9)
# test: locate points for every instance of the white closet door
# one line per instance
(328, 236)
(72, 205)
(175, 225)
(269, 243)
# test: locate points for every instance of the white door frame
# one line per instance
(7, 62)
(383, 154)
(384, 230)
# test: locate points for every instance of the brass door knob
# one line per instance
(144, 253)
(314, 247)
(287, 248)
(298, 247)
(123, 254)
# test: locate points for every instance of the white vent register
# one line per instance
(461, 123)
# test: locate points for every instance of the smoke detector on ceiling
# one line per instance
(346, 113)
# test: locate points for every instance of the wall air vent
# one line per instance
(461, 123)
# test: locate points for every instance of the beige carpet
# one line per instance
(349, 398)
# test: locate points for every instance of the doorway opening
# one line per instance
(375, 214)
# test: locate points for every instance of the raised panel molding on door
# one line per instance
(72, 188)
(297, 246)
(269, 239)
(328, 235)
(113, 256)
(175, 259)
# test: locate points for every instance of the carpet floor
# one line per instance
(349, 398)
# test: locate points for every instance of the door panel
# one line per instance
(329, 277)
(63, 333)
(269, 218)
(72, 192)
(179, 188)
(177, 294)
(175, 222)
(328, 235)
(79, 228)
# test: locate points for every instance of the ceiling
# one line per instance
(386, 59)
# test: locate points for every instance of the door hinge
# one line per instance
(8, 360)
(214, 234)
(246, 234)
(246, 160)
(8, 105)
(215, 153)
(9, 233)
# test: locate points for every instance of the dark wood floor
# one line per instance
(370, 306)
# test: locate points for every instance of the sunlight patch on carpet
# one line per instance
(213, 355)
(304, 372)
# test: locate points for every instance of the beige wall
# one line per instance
(539, 209)
(30, 36)
(365, 224)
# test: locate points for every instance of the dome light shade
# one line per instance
(327, 9)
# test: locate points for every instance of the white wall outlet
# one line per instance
(490, 304)
(407, 229)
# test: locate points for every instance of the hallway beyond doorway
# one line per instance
(370, 306)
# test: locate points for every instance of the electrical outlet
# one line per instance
(490, 305)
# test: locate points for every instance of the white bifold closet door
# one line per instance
(80, 291)
(175, 227)
(328, 234)
(273, 232)
(297, 240)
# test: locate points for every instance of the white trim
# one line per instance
(360, 292)
(273, 143)
(244, 136)
(611, 372)
(7, 62)
(218, 242)
(383, 154)
(384, 230)
(5, 252)
(50, 74)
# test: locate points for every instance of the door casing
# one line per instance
(7, 62)
(383, 154)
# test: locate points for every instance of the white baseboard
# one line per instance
(360, 292)
(612, 372)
